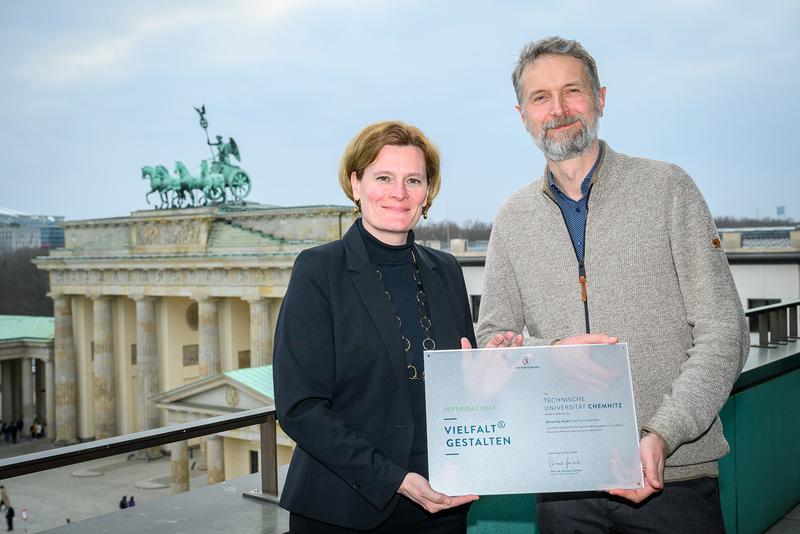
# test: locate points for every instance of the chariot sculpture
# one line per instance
(219, 181)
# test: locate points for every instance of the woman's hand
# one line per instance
(417, 488)
(486, 374)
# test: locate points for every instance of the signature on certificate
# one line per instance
(564, 461)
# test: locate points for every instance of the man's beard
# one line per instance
(566, 145)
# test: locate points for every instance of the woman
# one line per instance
(349, 376)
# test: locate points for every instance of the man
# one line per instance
(625, 246)
(9, 518)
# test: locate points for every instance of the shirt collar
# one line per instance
(586, 181)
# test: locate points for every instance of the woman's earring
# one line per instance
(357, 209)
(425, 212)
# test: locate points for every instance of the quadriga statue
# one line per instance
(219, 181)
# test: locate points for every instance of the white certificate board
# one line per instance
(531, 420)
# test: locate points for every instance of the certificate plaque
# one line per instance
(531, 420)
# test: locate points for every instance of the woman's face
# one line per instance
(392, 193)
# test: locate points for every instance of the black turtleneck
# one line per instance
(394, 263)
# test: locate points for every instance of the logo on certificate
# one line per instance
(526, 362)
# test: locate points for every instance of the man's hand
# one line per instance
(417, 488)
(653, 454)
(509, 339)
(582, 368)
(588, 339)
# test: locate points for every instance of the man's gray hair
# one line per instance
(554, 46)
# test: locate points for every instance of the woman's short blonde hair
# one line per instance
(363, 150)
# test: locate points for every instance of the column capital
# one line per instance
(203, 297)
(141, 297)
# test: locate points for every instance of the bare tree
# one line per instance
(479, 230)
(23, 287)
(727, 221)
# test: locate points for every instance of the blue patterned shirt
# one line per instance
(574, 211)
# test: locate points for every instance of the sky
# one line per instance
(92, 91)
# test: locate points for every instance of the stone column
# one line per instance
(38, 391)
(216, 459)
(209, 356)
(179, 467)
(7, 391)
(105, 425)
(66, 373)
(50, 398)
(209, 338)
(27, 395)
(147, 362)
(16, 389)
(202, 455)
(260, 332)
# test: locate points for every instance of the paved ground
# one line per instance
(24, 446)
(84, 490)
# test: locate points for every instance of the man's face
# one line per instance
(558, 106)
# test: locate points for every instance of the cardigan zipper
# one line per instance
(582, 281)
(584, 297)
(581, 267)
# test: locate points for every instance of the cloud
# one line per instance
(70, 67)
(96, 55)
(53, 63)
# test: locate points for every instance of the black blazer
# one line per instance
(341, 388)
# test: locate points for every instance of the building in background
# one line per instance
(20, 230)
(27, 392)
(156, 307)
(223, 394)
(765, 263)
